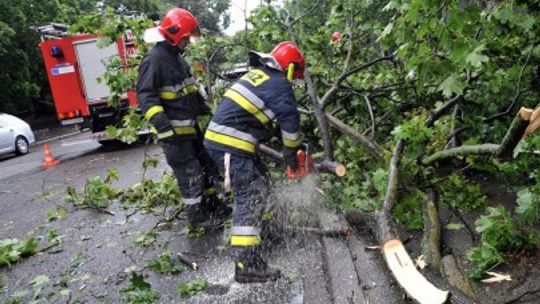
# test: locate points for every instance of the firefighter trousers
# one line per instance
(250, 184)
(190, 165)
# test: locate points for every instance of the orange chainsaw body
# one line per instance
(305, 166)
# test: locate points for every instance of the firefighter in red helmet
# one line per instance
(169, 98)
(245, 118)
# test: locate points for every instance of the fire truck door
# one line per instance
(92, 60)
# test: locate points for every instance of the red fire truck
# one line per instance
(73, 64)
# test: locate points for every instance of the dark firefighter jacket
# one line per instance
(247, 110)
(167, 93)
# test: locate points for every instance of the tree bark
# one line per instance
(455, 276)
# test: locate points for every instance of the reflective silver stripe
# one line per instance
(178, 87)
(232, 132)
(192, 201)
(245, 230)
(291, 136)
(254, 99)
(182, 123)
(168, 89)
(165, 134)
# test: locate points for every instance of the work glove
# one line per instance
(289, 156)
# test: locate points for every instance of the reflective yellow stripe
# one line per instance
(184, 130)
(168, 95)
(165, 134)
(153, 130)
(230, 141)
(153, 111)
(292, 143)
(245, 240)
(247, 105)
(190, 89)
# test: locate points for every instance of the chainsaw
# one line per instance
(306, 165)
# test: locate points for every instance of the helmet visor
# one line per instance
(152, 35)
(195, 35)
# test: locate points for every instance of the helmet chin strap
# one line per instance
(290, 72)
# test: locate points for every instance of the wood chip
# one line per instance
(420, 263)
(374, 247)
(496, 277)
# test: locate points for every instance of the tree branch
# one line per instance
(370, 146)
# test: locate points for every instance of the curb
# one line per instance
(57, 137)
(343, 278)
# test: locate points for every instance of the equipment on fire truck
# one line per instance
(73, 64)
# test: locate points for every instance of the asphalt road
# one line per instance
(93, 262)
(63, 149)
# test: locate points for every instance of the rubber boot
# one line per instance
(200, 217)
(251, 268)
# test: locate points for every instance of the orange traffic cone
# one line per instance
(49, 158)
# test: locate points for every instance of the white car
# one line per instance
(15, 135)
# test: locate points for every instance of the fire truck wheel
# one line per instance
(21, 145)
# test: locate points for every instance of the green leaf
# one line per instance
(476, 58)
(452, 85)
(192, 287)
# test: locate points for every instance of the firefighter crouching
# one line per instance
(243, 119)
(170, 100)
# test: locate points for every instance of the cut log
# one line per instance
(331, 166)
(182, 258)
(408, 277)
(431, 238)
(455, 276)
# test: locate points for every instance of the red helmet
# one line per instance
(286, 53)
(178, 24)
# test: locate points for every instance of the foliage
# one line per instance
(499, 233)
(485, 257)
(139, 291)
(529, 202)
(409, 210)
(192, 287)
(57, 212)
(461, 193)
(97, 192)
(148, 193)
(146, 239)
(165, 264)
(12, 250)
